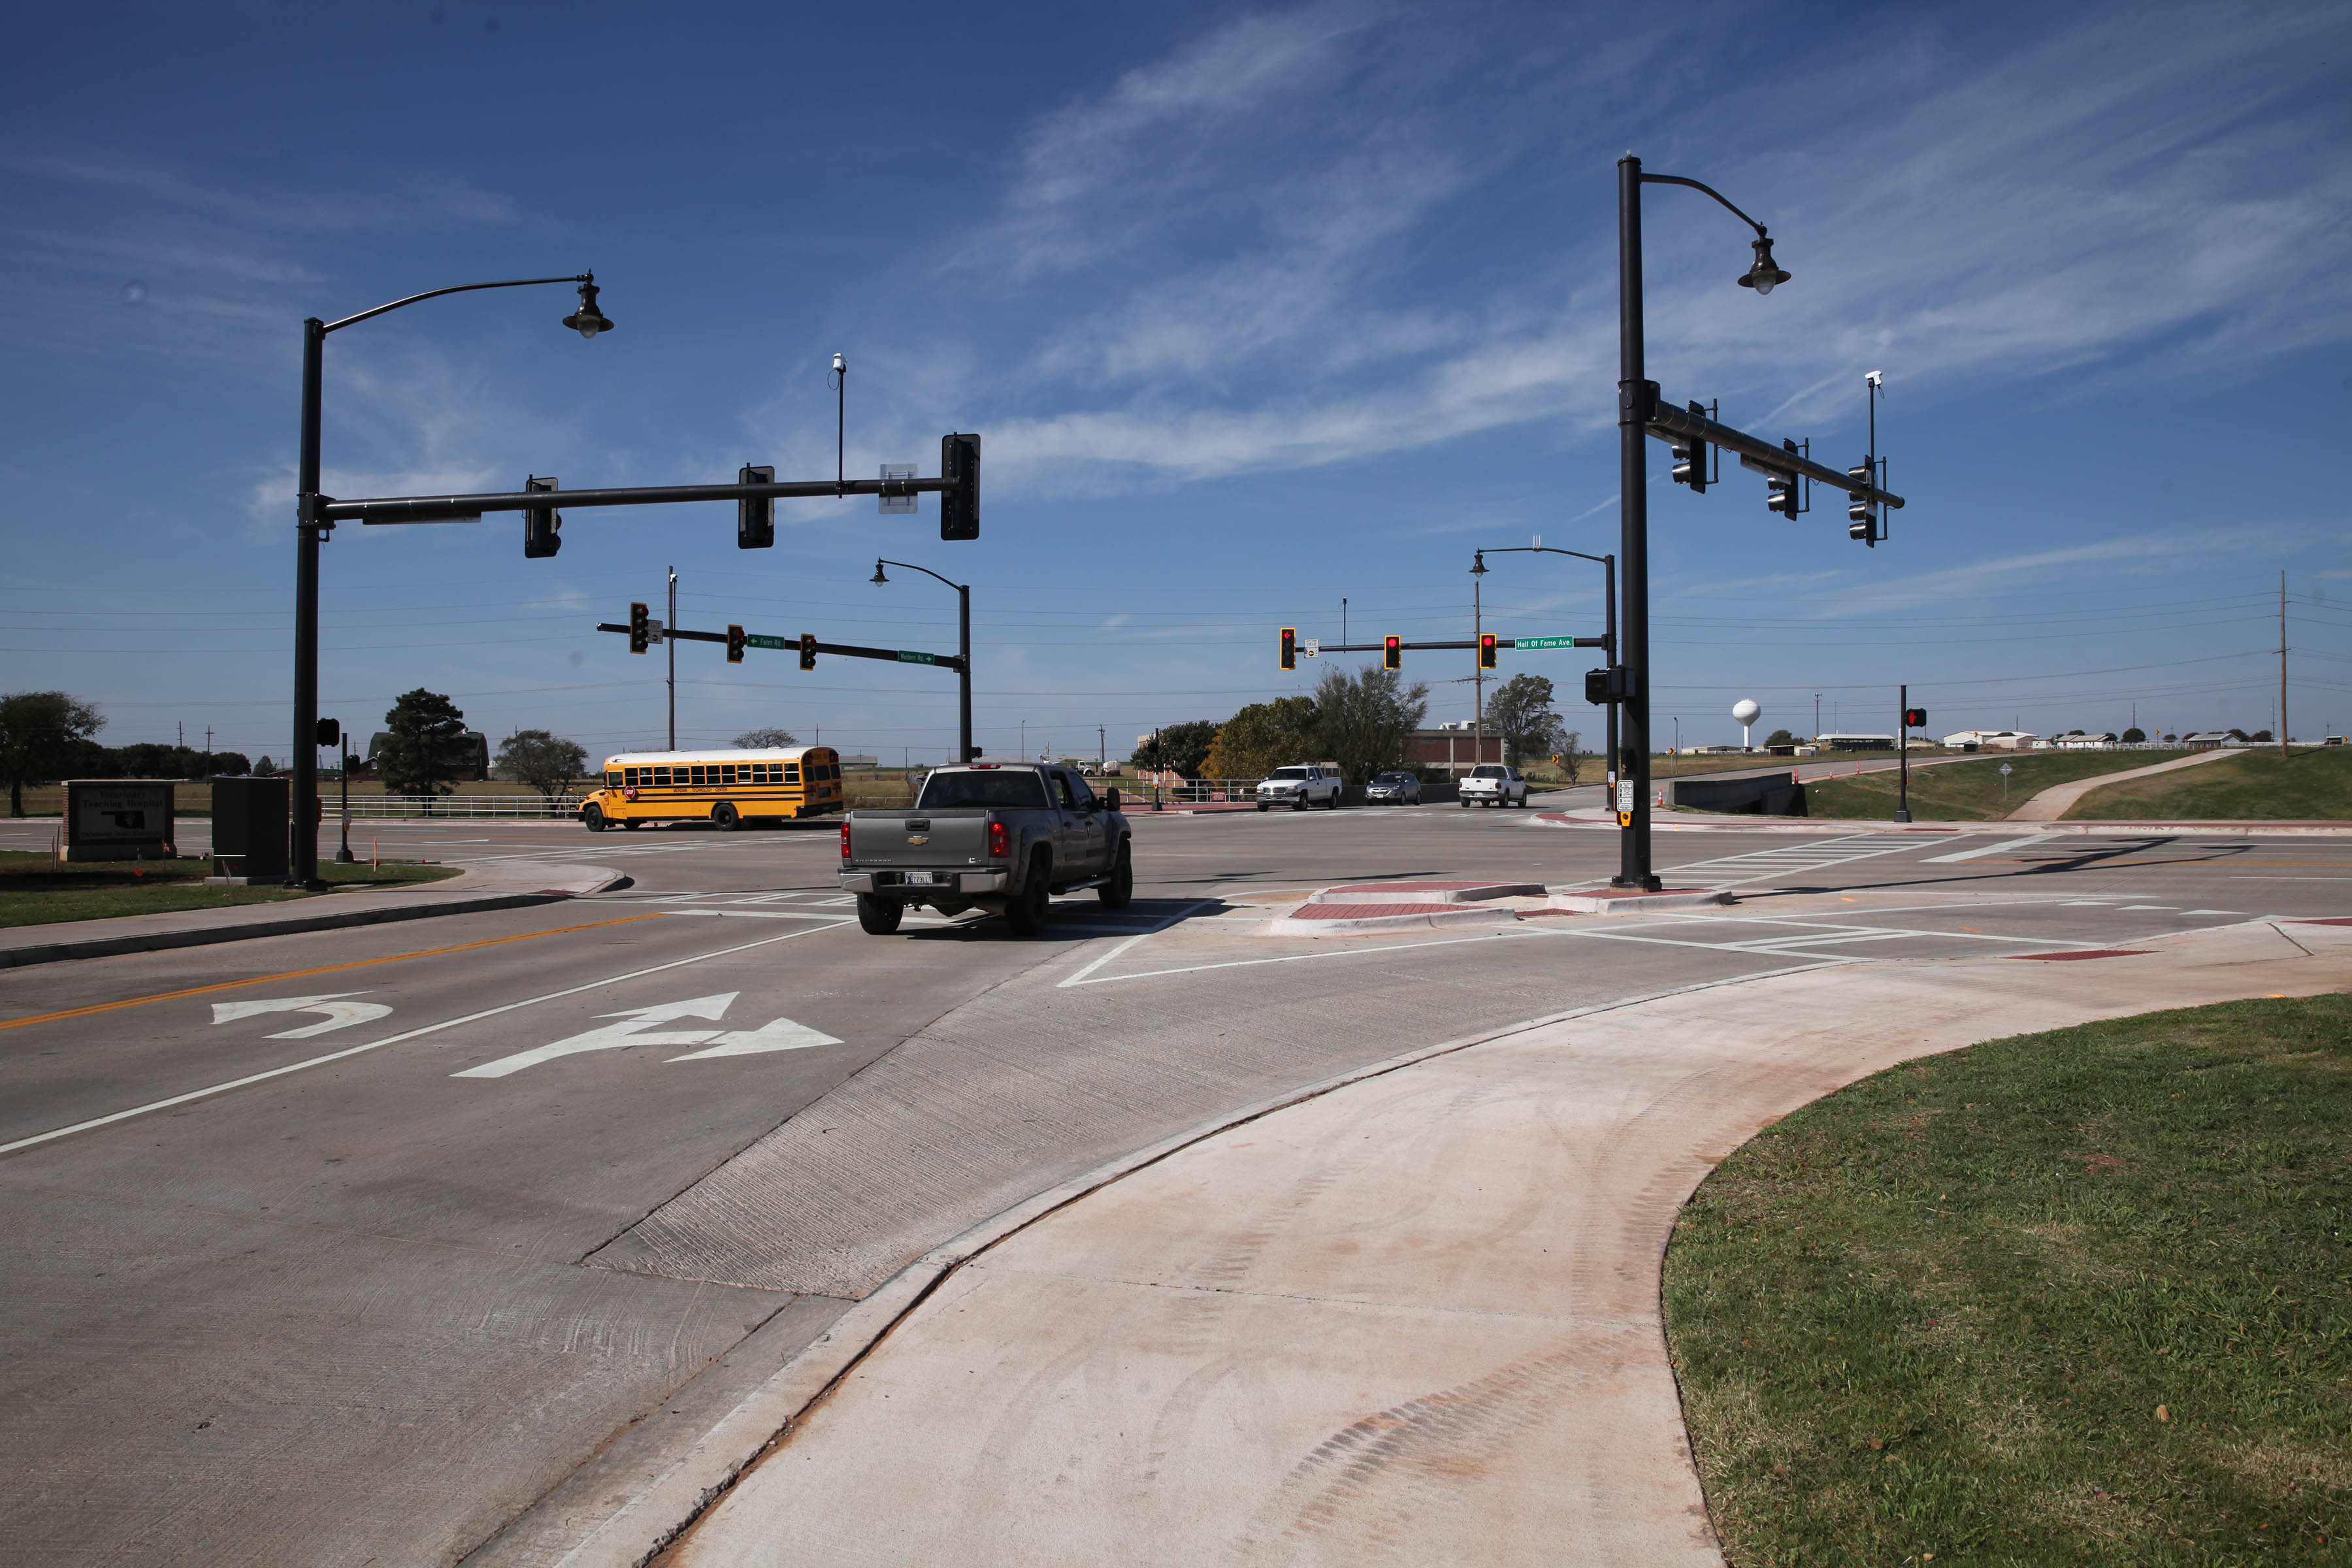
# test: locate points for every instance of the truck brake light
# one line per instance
(998, 849)
(844, 841)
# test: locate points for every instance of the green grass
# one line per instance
(33, 890)
(2069, 1298)
(1971, 790)
(2312, 784)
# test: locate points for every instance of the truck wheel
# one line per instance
(1333, 804)
(726, 816)
(1298, 802)
(1262, 806)
(1463, 802)
(1024, 912)
(878, 916)
(1120, 891)
(591, 818)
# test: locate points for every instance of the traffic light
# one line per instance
(1391, 653)
(959, 502)
(1915, 717)
(734, 644)
(1690, 457)
(540, 539)
(1862, 516)
(1486, 650)
(808, 650)
(641, 630)
(755, 516)
(1290, 648)
(329, 732)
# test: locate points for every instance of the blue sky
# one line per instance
(1255, 308)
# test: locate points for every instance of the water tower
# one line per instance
(1745, 712)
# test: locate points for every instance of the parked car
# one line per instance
(1494, 785)
(1397, 789)
(1300, 786)
(988, 836)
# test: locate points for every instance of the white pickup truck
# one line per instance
(1492, 784)
(1298, 787)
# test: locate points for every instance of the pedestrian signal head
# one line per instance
(1391, 653)
(1290, 648)
(1915, 717)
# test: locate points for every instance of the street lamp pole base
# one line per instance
(1902, 815)
(344, 857)
(1646, 884)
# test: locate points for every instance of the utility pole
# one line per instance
(1817, 715)
(673, 657)
(1343, 617)
(1102, 753)
(2282, 718)
(1902, 753)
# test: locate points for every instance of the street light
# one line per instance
(964, 751)
(1634, 411)
(1607, 564)
(310, 531)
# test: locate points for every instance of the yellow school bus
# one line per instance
(725, 788)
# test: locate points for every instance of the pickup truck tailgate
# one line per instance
(893, 844)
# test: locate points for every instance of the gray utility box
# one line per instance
(119, 819)
(250, 821)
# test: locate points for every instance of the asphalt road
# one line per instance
(513, 1201)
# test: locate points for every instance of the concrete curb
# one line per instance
(1429, 893)
(651, 1521)
(293, 924)
(1423, 918)
(1627, 902)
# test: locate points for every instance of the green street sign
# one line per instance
(906, 658)
(771, 642)
(1543, 642)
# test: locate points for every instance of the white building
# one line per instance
(1992, 740)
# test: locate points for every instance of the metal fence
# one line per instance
(376, 807)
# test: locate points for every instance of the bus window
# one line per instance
(792, 772)
(612, 777)
(661, 775)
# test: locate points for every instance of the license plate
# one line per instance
(921, 878)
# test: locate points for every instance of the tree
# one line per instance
(423, 732)
(542, 761)
(1363, 720)
(2260, 735)
(1261, 737)
(1522, 710)
(230, 764)
(1780, 738)
(1178, 748)
(2133, 736)
(766, 740)
(39, 732)
(1570, 753)
(265, 769)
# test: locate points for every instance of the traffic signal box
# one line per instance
(327, 732)
(808, 650)
(1915, 717)
(1690, 457)
(755, 519)
(1290, 648)
(641, 630)
(1392, 653)
(1486, 650)
(734, 644)
(959, 502)
(540, 523)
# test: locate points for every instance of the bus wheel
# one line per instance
(631, 823)
(591, 818)
(724, 815)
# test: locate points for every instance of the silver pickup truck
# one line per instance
(988, 836)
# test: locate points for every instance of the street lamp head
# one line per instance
(877, 577)
(1766, 275)
(588, 321)
(1478, 567)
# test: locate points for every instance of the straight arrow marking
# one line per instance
(631, 1031)
(775, 1034)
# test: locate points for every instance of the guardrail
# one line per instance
(379, 807)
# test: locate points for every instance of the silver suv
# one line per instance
(1300, 786)
(1494, 785)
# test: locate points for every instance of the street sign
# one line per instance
(1311, 647)
(905, 656)
(1625, 797)
(783, 644)
(1544, 642)
(889, 503)
(2005, 770)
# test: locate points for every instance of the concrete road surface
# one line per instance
(399, 1245)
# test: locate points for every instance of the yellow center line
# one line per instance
(322, 969)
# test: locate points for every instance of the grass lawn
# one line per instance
(2309, 784)
(33, 890)
(1970, 791)
(2069, 1298)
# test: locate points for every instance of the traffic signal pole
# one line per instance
(1903, 754)
(1634, 409)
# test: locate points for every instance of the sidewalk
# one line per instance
(2053, 802)
(1666, 821)
(496, 885)
(1412, 1318)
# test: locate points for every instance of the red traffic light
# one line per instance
(808, 650)
(1290, 648)
(1486, 650)
(1391, 653)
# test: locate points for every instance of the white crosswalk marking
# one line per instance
(1762, 864)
